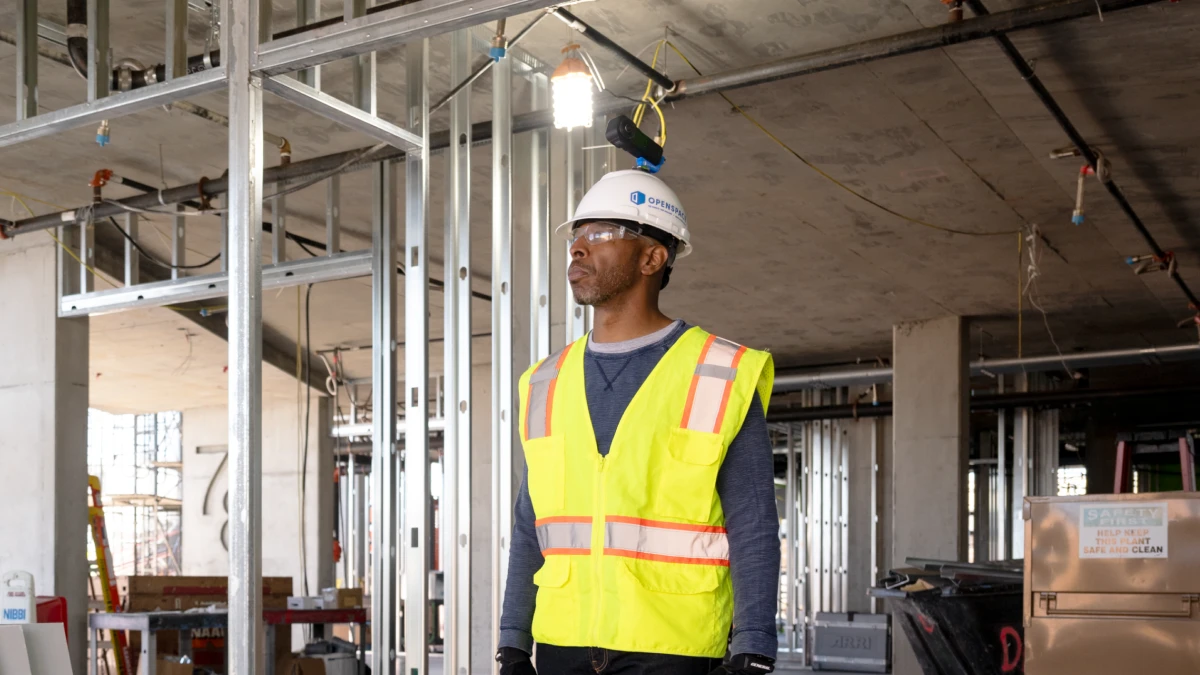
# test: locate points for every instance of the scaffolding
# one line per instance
(138, 459)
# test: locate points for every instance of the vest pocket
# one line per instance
(546, 460)
(674, 578)
(671, 608)
(688, 482)
(554, 573)
(558, 616)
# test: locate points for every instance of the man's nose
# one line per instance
(579, 248)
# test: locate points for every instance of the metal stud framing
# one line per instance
(98, 65)
(418, 528)
(792, 529)
(1001, 496)
(502, 334)
(456, 491)
(540, 247)
(27, 59)
(577, 316)
(132, 259)
(1022, 440)
(308, 11)
(178, 245)
(333, 215)
(246, 638)
(177, 30)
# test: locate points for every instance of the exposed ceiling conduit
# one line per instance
(934, 37)
(1035, 83)
(907, 43)
(1033, 399)
(848, 377)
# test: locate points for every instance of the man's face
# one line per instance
(603, 270)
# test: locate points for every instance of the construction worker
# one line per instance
(646, 525)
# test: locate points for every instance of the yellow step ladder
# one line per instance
(108, 582)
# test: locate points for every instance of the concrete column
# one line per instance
(43, 448)
(929, 471)
(205, 481)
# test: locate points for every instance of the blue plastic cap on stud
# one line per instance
(497, 53)
(648, 167)
(1077, 219)
(102, 139)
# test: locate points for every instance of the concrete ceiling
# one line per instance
(785, 259)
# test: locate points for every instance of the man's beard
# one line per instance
(600, 288)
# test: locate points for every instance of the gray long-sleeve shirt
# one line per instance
(613, 372)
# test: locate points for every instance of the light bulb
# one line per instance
(572, 84)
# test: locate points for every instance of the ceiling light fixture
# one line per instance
(572, 82)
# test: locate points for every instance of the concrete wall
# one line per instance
(205, 437)
(43, 448)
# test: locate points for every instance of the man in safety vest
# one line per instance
(646, 526)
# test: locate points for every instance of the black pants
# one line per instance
(553, 660)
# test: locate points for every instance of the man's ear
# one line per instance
(654, 258)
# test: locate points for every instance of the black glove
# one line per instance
(746, 664)
(513, 661)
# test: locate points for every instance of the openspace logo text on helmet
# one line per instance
(638, 197)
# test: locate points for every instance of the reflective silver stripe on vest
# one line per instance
(541, 390)
(711, 385)
(564, 536)
(666, 542)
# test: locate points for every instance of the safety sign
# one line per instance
(1114, 530)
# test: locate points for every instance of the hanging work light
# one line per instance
(572, 83)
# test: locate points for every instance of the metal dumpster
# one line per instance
(1112, 584)
(960, 619)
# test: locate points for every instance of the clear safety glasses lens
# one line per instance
(600, 233)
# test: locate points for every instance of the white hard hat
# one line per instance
(637, 196)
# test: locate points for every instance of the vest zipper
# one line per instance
(598, 553)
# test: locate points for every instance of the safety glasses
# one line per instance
(601, 233)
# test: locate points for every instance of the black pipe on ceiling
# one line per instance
(987, 402)
(912, 42)
(620, 52)
(1035, 83)
(77, 46)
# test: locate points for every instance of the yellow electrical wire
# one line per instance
(830, 178)
(639, 113)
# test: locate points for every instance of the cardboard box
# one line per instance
(345, 631)
(342, 598)
(165, 667)
(149, 594)
(329, 664)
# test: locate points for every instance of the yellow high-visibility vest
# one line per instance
(636, 557)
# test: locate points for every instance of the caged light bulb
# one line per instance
(572, 82)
